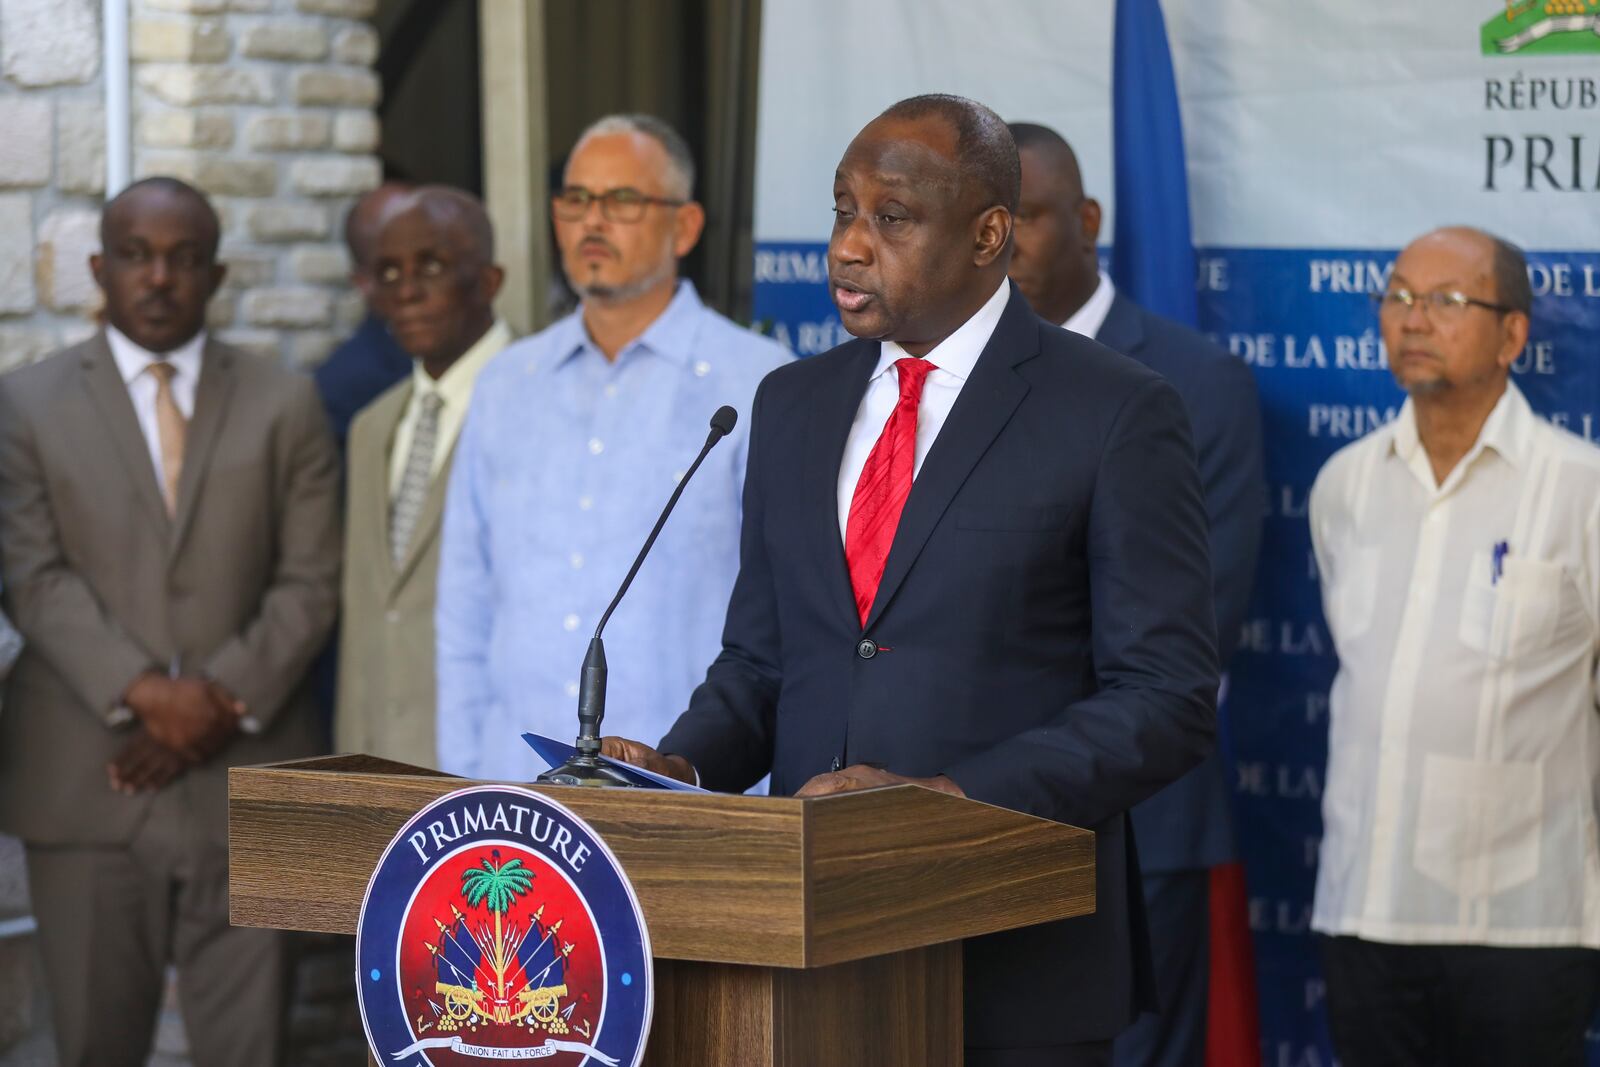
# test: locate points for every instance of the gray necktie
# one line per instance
(406, 507)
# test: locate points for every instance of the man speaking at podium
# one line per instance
(973, 558)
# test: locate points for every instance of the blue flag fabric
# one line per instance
(1152, 254)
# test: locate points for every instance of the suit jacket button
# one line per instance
(836, 764)
(867, 648)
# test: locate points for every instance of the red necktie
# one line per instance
(882, 490)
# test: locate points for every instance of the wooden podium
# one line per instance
(787, 933)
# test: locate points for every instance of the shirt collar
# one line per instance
(133, 360)
(958, 353)
(1088, 319)
(1508, 430)
(454, 386)
(671, 335)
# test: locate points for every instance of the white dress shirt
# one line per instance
(455, 389)
(953, 358)
(133, 363)
(1463, 742)
(1087, 320)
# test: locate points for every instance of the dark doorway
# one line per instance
(690, 62)
(431, 113)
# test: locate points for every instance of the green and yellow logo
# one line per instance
(1543, 27)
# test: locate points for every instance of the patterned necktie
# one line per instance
(406, 507)
(171, 429)
(884, 485)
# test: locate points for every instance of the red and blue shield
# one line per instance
(498, 926)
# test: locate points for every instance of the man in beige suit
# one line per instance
(170, 548)
(435, 278)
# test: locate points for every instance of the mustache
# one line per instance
(155, 302)
(597, 242)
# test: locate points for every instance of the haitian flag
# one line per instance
(1153, 261)
(1152, 251)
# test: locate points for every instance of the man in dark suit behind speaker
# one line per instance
(1185, 829)
(974, 558)
(169, 532)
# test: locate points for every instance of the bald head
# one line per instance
(922, 220)
(1455, 318)
(985, 155)
(1054, 260)
(157, 263)
(1051, 149)
(1501, 261)
(168, 195)
(365, 219)
(434, 277)
(452, 211)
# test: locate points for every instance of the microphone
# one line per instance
(586, 767)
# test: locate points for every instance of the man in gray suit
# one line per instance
(170, 546)
(434, 281)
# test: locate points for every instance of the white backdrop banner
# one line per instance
(1321, 136)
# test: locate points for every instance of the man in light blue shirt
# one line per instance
(575, 438)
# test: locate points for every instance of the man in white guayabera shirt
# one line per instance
(1459, 547)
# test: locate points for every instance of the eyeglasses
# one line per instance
(430, 271)
(1442, 307)
(619, 205)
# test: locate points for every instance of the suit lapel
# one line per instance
(110, 395)
(1122, 331)
(212, 394)
(369, 470)
(987, 402)
(826, 439)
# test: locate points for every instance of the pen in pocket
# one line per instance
(1497, 564)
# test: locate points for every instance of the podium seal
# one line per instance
(499, 926)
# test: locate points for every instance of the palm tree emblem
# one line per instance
(497, 886)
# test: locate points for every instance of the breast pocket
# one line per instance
(1016, 519)
(1353, 592)
(1514, 617)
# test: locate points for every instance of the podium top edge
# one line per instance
(374, 768)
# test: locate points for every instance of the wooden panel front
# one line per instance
(900, 1010)
(751, 880)
(711, 1013)
(895, 868)
(718, 877)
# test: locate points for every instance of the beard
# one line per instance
(623, 292)
(1425, 387)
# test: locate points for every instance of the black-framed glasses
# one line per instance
(1443, 305)
(618, 205)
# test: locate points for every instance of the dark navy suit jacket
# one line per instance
(1045, 626)
(1189, 825)
(364, 365)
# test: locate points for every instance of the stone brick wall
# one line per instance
(52, 171)
(265, 104)
(268, 105)
(24, 1031)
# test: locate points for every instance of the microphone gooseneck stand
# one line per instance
(586, 767)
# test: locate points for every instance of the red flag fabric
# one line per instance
(1233, 1023)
